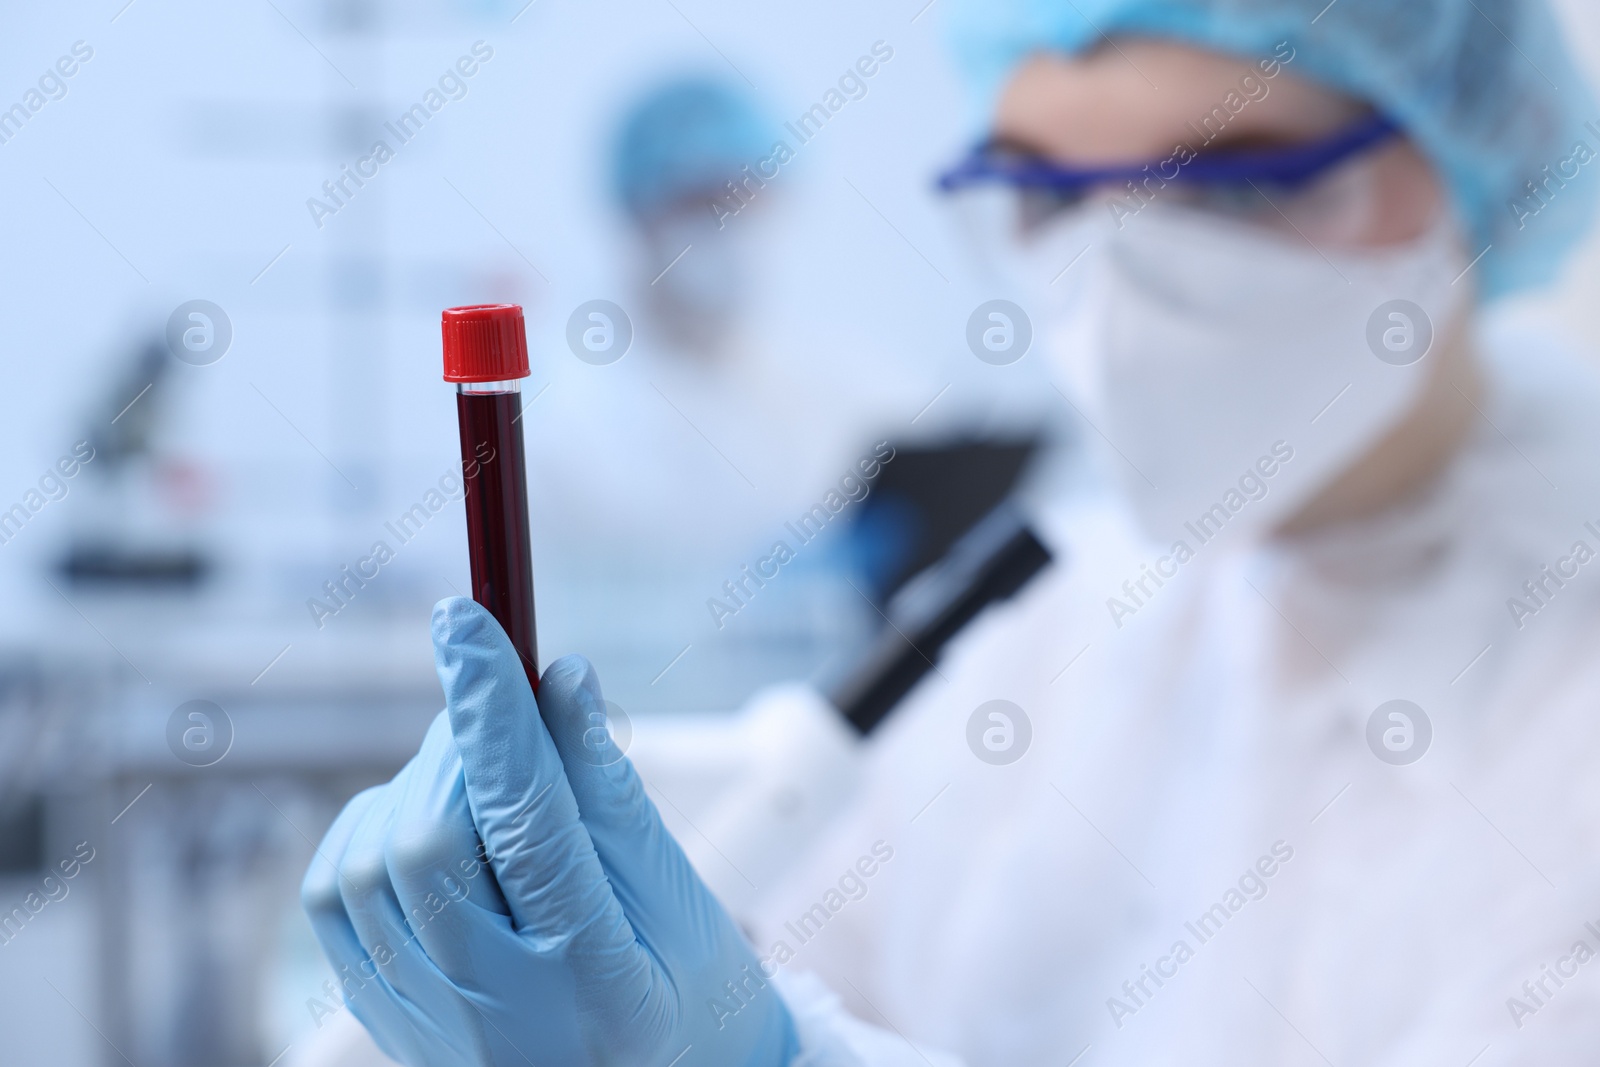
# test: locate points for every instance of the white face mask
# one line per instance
(1227, 370)
(698, 299)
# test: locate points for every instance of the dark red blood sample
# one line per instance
(486, 355)
(497, 516)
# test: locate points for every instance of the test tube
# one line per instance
(486, 356)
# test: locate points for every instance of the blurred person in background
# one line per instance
(676, 151)
(672, 450)
(1295, 762)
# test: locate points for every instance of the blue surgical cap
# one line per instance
(1483, 87)
(681, 138)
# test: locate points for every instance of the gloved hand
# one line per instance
(512, 898)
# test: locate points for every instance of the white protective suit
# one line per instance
(1201, 777)
(1395, 913)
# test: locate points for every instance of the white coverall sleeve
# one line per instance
(831, 1037)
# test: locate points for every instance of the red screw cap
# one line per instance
(484, 343)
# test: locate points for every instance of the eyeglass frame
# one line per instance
(1289, 167)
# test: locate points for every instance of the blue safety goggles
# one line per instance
(1285, 168)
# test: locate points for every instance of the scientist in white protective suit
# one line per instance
(1293, 764)
(681, 430)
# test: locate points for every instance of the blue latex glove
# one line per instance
(584, 937)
